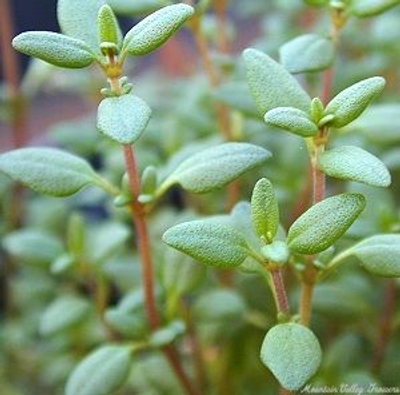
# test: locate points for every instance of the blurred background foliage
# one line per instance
(69, 278)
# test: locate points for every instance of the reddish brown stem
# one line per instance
(143, 238)
(282, 302)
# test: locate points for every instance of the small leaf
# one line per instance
(123, 118)
(78, 19)
(380, 254)
(264, 210)
(367, 8)
(354, 164)
(212, 243)
(63, 313)
(271, 84)
(324, 223)
(109, 29)
(48, 170)
(137, 7)
(32, 246)
(156, 29)
(215, 167)
(307, 53)
(351, 103)
(55, 48)
(166, 335)
(292, 120)
(276, 252)
(102, 372)
(292, 353)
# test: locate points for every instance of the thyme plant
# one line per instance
(170, 310)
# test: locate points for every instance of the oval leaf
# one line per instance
(101, 372)
(215, 167)
(354, 164)
(156, 29)
(307, 53)
(380, 254)
(292, 353)
(54, 48)
(78, 19)
(351, 103)
(109, 30)
(63, 313)
(212, 243)
(292, 120)
(48, 170)
(137, 7)
(271, 84)
(123, 118)
(324, 223)
(367, 8)
(264, 210)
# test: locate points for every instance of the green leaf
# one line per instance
(156, 29)
(379, 254)
(367, 8)
(123, 118)
(102, 372)
(351, 103)
(55, 48)
(168, 334)
(109, 30)
(220, 305)
(307, 53)
(271, 85)
(276, 252)
(291, 119)
(214, 167)
(292, 353)
(78, 19)
(265, 210)
(32, 246)
(48, 170)
(208, 241)
(324, 223)
(63, 313)
(354, 164)
(137, 7)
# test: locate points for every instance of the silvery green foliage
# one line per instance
(368, 8)
(292, 353)
(354, 164)
(123, 118)
(109, 30)
(307, 53)
(55, 48)
(102, 372)
(271, 85)
(350, 103)
(156, 29)
(324, 223)
(48, 170)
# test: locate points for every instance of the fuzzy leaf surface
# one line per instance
(63, 313)
(324, 223)
(209, 241)
(265, 210)
(291, 119)
(292, 353)
(380, 254)
(271, 84)
(55, 48)
(354, 164)
(307, 53)
(137, 7)
(123, 118)
(215, 167)
(156, 29)
(367, 8)
(109, 30)
(78, 19)
(351, 102)
(48, 170)
(101, 373)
